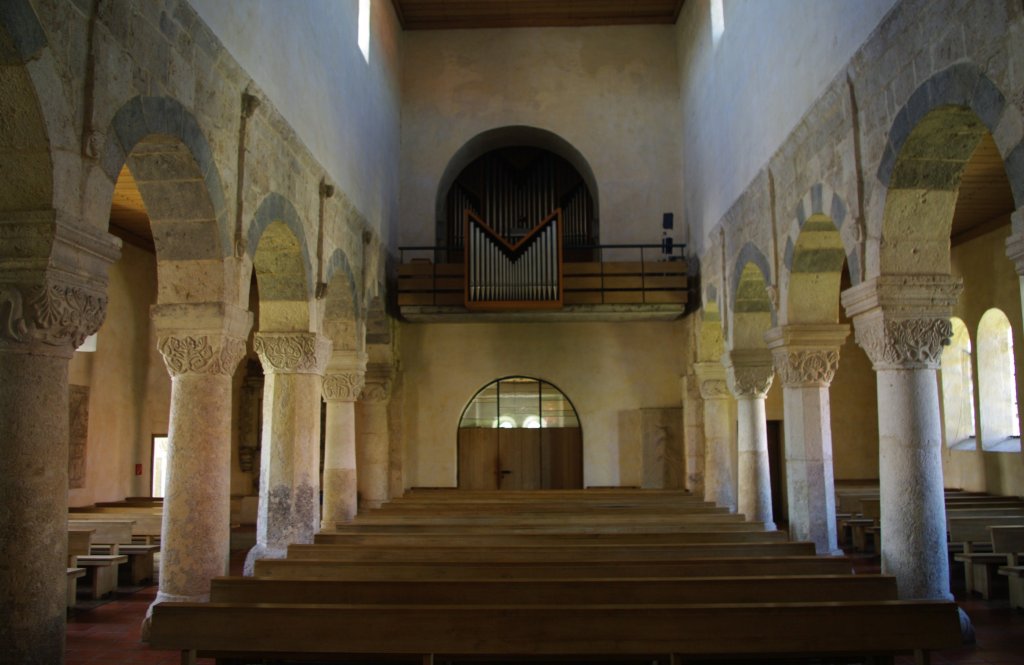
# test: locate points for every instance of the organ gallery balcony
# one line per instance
(531, 276)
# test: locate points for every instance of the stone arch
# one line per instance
(814, 257)
(931, 139)
(342, 307)
(28, 183)
(752, 310)
(280, 257)
(173, 165)
(502, 137)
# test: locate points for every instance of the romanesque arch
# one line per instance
(281, 260)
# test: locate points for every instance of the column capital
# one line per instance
(201, 338)
(53, 281)
(806, 354)
(344, 377)
(1015, 251)
(292, 352)
(377, 386)
(712, 380)
(749, 372)
(902, 321)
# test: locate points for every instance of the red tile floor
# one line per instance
(109, 633)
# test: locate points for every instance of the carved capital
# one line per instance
(902, 321)
(749, 372)
(712, 380)
(903, 343)
(201, 354)
(343, 386)
(292, 353)
(51, 317)
(806, 367)
(376, 390)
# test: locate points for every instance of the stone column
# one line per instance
(289, 508)
(693, 434)
(45, 314)
(719, 480)
(341, 387)
(902, 322)
(749, 375)
(806, 359)
(1015, 251)
(372, 441)
(201, 359)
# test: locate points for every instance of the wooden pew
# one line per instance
(788, 588)
(523, 528)
(103, 568)
(74, 573)
(546, 554)
(972, 535)
(1007, 542)
(490, 539)
(497, 522)
(552, 631)
(710, 567)
(146, 526)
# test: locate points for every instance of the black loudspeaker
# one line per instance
(666, 221)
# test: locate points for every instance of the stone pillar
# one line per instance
(44, 317)
(806, 359)
(693, 435)
(341, 387)
(372, 440)
(289, 508)
(749, 375)
(902, 322)
(1015, 251)
(719, 480)
(201, 346)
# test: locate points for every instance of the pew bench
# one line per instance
(360, 527)
(710, 567)
(141, 566)
(1014, 572)
(651, 591)
(569, 554)
(744, 630)
(456, 537)
(1007, 543)
(103, 572)
(73, 574)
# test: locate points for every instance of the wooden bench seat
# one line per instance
(537, 519)
(103, 572)
(711, 567)
(360, 527)
(73, 574)
(481, 631)
(146, 526)
(1015, 579)
(981, 568)
(550, 554)
(792, 588)
(141, 565)
(489, 538)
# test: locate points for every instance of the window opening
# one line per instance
(958, 389)
(997, 384)
(364, 29)
(159, 467)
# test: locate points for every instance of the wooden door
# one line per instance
(519, 459)
(478, 458)
(562, 458)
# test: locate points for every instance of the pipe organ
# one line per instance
(503, 275)
(512, 188)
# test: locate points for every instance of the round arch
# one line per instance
(504, 137)
(281, 260)
(520, 432)
(752, 310)
(341, 307)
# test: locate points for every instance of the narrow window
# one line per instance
(717, 21)
(958, 389)
(364, 29)
(997, 384)
(159, 465)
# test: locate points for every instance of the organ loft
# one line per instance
(429, 329)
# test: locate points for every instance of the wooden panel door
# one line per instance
(562, 458)
(478, 458)
(519, 458)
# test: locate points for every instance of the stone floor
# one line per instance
(109, 633)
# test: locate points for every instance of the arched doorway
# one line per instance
(520, 433)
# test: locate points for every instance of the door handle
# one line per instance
(505, 472)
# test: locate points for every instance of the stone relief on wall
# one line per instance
(78, 434)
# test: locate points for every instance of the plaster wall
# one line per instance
(611, 92)
(608, 370)
(305, 57)
(754, 84)
(989, 281)
(129, 388)
(853, 396)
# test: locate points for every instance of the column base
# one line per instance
(162, 597)
(260, 551)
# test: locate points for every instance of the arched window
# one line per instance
(520, 402)
(958, 389)
(997, 384)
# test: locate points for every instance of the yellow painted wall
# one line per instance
(608, 371)
(989, 281)
(129, 388)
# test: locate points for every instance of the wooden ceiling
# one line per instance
(985, 200)
(467, 14)
(128, 218)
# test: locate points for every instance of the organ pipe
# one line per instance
(502, 274)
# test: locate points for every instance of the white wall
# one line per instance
(305, 57)
(743, 96)
(611, 92)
